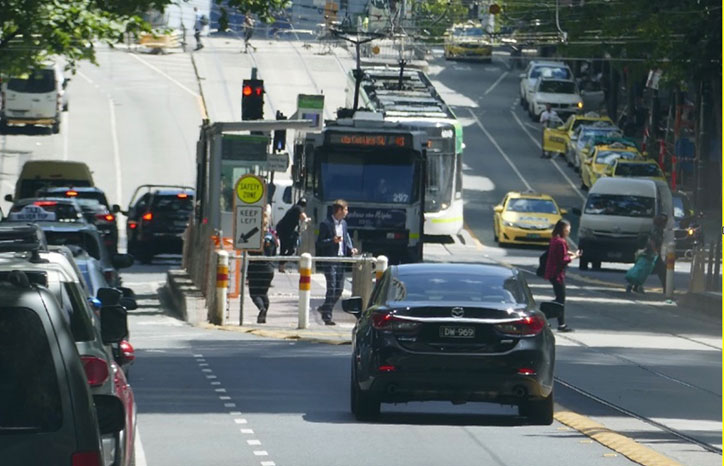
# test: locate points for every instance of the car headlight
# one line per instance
(579, 104)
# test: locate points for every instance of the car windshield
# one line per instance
(378, 176)
(638, 169)
(560, 72)
(29, 391)
(608, 157)
(542, 206)
(78, 238)
(620, 205)
(172, 202)
(680, 210)
(457, 287)
(557, 87)
(36, 82)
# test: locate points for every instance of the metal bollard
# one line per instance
(381, 266)
(305, 286)
(362, 279)
(222, 286)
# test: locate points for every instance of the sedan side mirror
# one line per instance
(9, 197)
(114, 324)
(110, 413)
(564, 211)
(115, 208)
(122, 261)
(352, 306)
(498, 209)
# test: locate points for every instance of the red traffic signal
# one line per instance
(252, 99)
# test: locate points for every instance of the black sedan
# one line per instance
(451, 332)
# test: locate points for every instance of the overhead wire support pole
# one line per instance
(563, 34)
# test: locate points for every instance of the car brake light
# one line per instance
(147, 216)
(526, 371)
(387, 368)
(132, 225)
(182, 195)
(86, 458)
(96, 370)
(384, 321)
(71, 193)
(106, 217)
(524, 327)
(45, 203)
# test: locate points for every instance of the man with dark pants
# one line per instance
(334, 241)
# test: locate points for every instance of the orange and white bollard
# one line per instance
(670, 263)
(305, 287)
(380, 266)
(222, 285)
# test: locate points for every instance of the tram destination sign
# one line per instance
(395, 140)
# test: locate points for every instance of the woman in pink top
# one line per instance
(558, 258)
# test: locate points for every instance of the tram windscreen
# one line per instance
(439, 186)
(370, 177)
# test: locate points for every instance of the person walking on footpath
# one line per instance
(558, 259)
(288, 229)
(199, 20)
(248, 32)
(547, 117)
(334, 241)
(261, 274)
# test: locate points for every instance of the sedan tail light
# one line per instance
(127, 351)
(96, 370)
(386, 321)
(106, 217)
(147, 217)
(86, 458)
(525, 327)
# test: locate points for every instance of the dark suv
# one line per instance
(95, 207)
(157, 218)
(47, 413)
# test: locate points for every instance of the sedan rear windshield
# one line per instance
(29, 394)
(638, 169)
(172, 203)
(36, 82)
(458, 288)
(619, 204)
(557, 87)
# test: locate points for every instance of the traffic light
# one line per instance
(280, 135)
(252, 99)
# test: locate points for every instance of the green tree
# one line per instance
(433, 17)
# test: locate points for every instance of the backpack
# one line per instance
(204, 20)
(541, 270)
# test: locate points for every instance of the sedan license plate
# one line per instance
(457, 332)
(533, 235)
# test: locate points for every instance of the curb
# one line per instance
(282, 334)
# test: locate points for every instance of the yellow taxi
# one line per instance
(561, 138)
(468, 41)
(525, 218)
(603, 158)
(638, 168)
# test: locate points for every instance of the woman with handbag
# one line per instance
(555, 272)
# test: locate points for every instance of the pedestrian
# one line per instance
(288, 229)
(547, 119)
(653, 250)
(248, 31)
(198, 26)
(261, 274)
(334, 241)
(555, 272)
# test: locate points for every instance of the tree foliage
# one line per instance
(433, 17)
(683, 37)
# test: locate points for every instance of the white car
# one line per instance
(562, 94)
(536, 69)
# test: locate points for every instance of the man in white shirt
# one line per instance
(198, 26)
(334, 241)
(547, 117)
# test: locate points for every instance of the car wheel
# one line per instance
(55, 129)
(538, 412)
(364, 406)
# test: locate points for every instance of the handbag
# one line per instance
(542, 260)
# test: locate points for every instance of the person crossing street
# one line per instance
(547, 117)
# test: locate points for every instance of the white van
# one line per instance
(617, 218)
(280, 200)
(35, 98)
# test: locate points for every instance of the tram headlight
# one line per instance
(444, 206)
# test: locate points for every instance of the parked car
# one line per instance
(562, 95)
(38, 174)
(536, 68)
(579, 148)
(638, 169)
(35, 98)
(602, 160)
(157, 218)
(48, 414)
(455, 332)
(95, 207)
(559, 138)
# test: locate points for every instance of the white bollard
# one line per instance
(380, 266)
(222, 285)
(305, 287)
